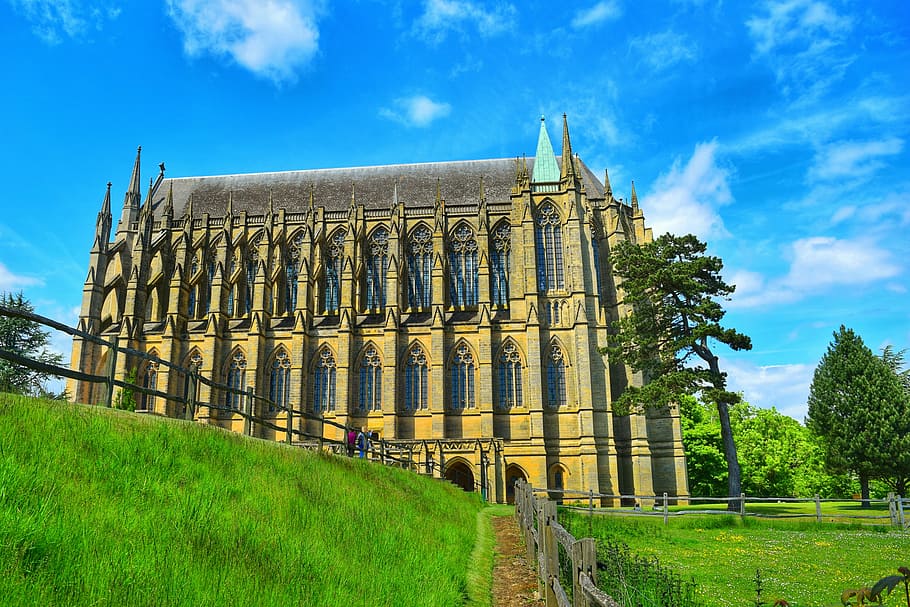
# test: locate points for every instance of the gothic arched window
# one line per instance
(236, 379)
(376, 267)
(463, 275)
(279, 381)
(556, 378)
(149, 382)
(370, 381)
(462, 374)
(324, 382)
(291, 271)
(252, 263)
(416, 379)
(333, 259)
(599, 285)
(548, 238)
(500, 254)
(420, 267)
(509, 377)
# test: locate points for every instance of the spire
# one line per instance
(133, 196)
(608, 189)
(230, 204)
(103, 224)
(438, 193)
(545, 167)
(312, 197)
(634, 197)
(169, 201)
(568, 163)
(106, 204)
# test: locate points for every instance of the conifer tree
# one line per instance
(25, 338)
(673, 290)
(859, 407)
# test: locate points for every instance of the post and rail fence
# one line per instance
(379, 450)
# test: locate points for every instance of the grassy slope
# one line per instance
(102, 507)
(804, 563)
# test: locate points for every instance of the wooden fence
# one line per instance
(380, 450)
(543, 535)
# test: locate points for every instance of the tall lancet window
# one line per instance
(252, 262)
(416, 379)
(377, 265)
(599, 284)
(207, 287)
(324, 382)
(463, 275)
(236, 379)
(191, 310)
(334, 257)
(548, 237)
(500, 258)
(279, 381)
(462, 375)
(556, 378)
(292, 273)
(370, 381)
(509, 377)
(149, 382)
(420, 268)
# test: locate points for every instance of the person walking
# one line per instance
(350, 440)
(362, 442)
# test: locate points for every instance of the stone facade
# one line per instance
(455, 308)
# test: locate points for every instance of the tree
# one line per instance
(858, 405)
(672, 290)
(704, 447)
(25, 338)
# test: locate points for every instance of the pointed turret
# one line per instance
(568, 161)
(169, 205)
(133, 196)
(634, 197)
(608, 189)
(103, 223)
(545, 168)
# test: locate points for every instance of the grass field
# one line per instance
(805, 563)
(100, 507)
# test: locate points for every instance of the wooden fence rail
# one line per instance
(543, 535)
(380, 450)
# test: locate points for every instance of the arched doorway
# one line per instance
(460, 474)
(513, 474)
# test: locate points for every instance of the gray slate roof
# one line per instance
(459, 184)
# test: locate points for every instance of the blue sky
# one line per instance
(777, 131)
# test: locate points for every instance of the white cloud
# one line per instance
(802, 40)
(853, 159)
(441, 16)
(10, 282)
(785, 387)
(599, 13)
(271, 38)
(817, 265)
(53, 20)
(686, 199)
(418, 111)
(663, 50)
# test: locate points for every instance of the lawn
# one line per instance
(102, 507)
(804, 563)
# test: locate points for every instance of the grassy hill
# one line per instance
(101, 507)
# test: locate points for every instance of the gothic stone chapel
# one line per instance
(456, 308)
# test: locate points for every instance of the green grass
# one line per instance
(802, 562)
(100, 507)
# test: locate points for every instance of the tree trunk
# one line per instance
(734, 481)
(864, 489)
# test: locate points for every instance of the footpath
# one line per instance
(514, 584)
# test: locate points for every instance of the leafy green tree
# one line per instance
(858, 406)
(25, 338)
(704, 447)
(673, 290)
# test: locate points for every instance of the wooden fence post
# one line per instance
(111, 372)
(666, 510)
(742, 504)
(190, 412)
(900, 508)
(584, 560)
(248, 409)
(549, 555)
(818, 508)
(530, 511)
(892, 509)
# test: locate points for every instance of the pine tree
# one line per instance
(859, 407)
(25, 338)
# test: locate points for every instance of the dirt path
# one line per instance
(514, 584)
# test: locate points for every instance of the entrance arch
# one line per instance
(459, 472)
(513, 473)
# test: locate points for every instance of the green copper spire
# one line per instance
(545, 167)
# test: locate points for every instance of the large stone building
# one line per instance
(454, 307)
